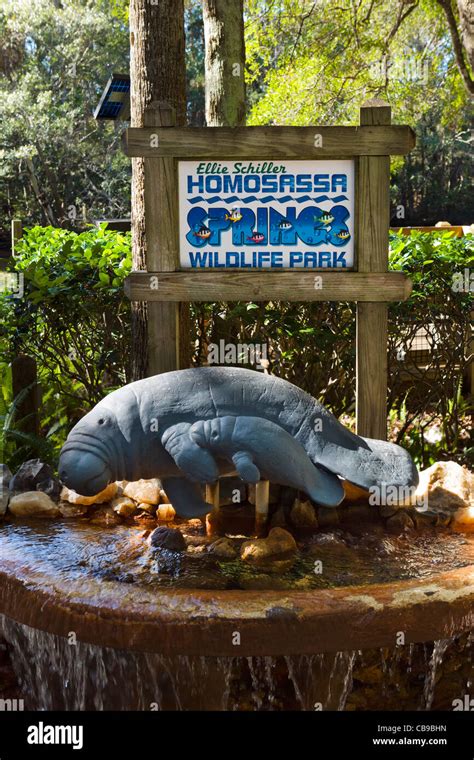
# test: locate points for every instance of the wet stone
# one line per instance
(400, 522)
(167, 538)
(224, 548)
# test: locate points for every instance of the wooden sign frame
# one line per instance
(163, 285)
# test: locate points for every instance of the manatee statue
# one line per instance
(190, 426)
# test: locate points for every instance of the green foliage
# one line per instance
(73, 318)
(55, 158)
(429, 344)
(316, 63)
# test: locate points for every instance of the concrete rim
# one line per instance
(203, 622)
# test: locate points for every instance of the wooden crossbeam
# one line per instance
(267, 285)
(268, 142)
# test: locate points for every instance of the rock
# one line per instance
(400, 521)
(33, 504)
(35, 475)
(163, 497)
(278, 519)
(72, 510)
(167, 538)
(104, 496)
(144, 491)
(124, 506)
(423, 519)
(224, 548)
(150, 509)
(445, 487)
(278, 542)
(165, 512)
(199, 550)
(120, 486)
(145, 519)
(105, 516)
(5, 477)
(327, 516)
(463, 520)
(303, 515)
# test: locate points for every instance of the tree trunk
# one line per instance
(224, 62)
(466, 25)
(157, 73)
(462, 37)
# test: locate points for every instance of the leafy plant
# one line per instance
(73, 318)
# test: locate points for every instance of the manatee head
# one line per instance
(90, 458)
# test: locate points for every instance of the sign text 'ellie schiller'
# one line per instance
(259, 214)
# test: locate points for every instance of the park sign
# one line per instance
(266, 214)
(270, 214)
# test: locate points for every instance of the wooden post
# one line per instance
(213, 497)
(162, 231)
(262, 497)
(373, 219)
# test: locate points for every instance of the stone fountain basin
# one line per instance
(204, 622)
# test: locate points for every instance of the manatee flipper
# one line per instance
(186, 498)
(197, 463)
(245, 467)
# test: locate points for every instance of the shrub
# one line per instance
(73, 318)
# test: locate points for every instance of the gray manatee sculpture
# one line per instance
(190, 426)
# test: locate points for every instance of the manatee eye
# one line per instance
(101, 421)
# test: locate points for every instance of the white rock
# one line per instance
(67, 494)
(124, 506)
(445, 487)
(33, 504)
(165, 512)
(144, 491)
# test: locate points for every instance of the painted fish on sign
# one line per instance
(254, 215)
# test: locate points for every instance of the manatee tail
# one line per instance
(366, 462)
(324, 488)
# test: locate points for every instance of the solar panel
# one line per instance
(115, 99)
